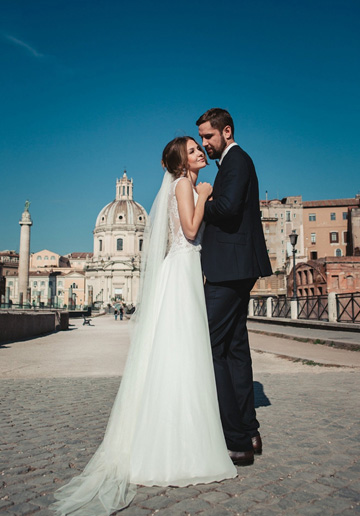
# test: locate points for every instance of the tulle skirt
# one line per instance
(164, 427)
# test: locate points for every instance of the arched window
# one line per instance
(100, 245)
(52, 258)
(38, 257)
(140, 244)
(46, 257)
(119, 244)
(338, 252)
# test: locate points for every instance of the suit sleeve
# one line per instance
(235, 176)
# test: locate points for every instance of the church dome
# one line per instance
(123, 211)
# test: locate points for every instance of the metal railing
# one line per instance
(348, 307)
(260, 307)
(313, 307)
(281, 307)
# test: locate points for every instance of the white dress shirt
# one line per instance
(226, 150)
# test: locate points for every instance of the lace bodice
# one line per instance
(177, 240)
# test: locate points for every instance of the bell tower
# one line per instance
(124, 188)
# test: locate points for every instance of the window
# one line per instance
(345, 237)
(46, 257)
(313, 255)
(312, 217)
(60, 283)
(332, 216)
(334, 237)
(338, 252)
(52, 258)
(345, 215)
(74, 285)
(11, 283)
(35, 284)
(288, 216)
(128, 190)
(313, 238)
(42, 283)
(282, 215)
(38, 257)
(123, 190)
(119, 244)
(140, 244)
(100, 245)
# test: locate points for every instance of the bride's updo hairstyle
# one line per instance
(175, 156)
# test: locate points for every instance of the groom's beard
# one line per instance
(216, 152)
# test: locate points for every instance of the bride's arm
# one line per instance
(191, 215)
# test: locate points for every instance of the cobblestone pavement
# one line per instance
(50, 427)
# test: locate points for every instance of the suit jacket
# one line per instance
(233, 246)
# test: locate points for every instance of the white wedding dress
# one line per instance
(164, 429)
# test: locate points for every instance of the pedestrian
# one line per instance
(116, 314)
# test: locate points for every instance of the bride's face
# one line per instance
(196, 156)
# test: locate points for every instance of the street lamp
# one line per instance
(293, 239)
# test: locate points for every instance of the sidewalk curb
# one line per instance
(323, 342)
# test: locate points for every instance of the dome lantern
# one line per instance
(124, 188)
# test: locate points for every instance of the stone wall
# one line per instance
(17, 325)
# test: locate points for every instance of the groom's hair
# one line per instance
(218, 118)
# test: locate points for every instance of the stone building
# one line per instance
(48, 259)
(113, 272)
(355, 231)
(331, 274)
(279, 218)
(327, 227)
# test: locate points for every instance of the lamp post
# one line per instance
(293, 239)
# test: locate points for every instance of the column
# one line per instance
(24, 254)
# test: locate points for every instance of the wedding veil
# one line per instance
(104, 485)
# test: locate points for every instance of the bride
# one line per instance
(164, 428)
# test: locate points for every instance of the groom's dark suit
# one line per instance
(234, 255)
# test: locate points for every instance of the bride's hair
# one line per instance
(175, 156)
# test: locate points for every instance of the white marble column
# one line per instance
(24, 254)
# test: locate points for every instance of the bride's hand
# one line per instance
(204, 189)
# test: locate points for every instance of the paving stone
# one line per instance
(349, 493)
(157, 502)
(24, 509)
(293, 470)
(214, 496)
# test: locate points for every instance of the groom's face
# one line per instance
(212, 139)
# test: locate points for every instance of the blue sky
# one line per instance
(89, 87)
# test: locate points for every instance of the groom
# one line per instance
(234, 255)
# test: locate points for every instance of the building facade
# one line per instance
(327, 227)
(113, 272)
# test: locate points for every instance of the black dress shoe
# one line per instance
(242, 458)
(257, 444)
